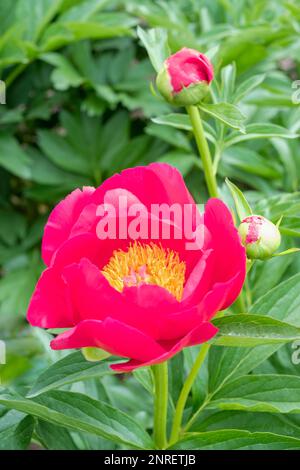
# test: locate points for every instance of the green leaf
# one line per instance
(144, 376)
(247, 86)
(228, 76)
(155, 42)
(184, 162)
(246, 330)
(283, 424)
(65, 75)
(287, 252)
(170, 135)
(181, 121)
(250, 162)
(54, 437)
(242, 206)
(13, 158)
(15, 430)
(260, 393)
(81, 413)
(36, 15)
(70, 369)
(260, 131)
(226, 113)
(281, 303)
(62, 154)
(84, 11)
(232, 439)
(177, 120)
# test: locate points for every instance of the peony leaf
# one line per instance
(70, 369)
(260, 131)
(269, 393)
(227, 113)
(287, 252)
(81, 413)
(232, 439)
(281, 303)
(155, 41)
(246, 330)
(241, 204)
(15, 430)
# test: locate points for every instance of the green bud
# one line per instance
(191, 95)
(260, 237)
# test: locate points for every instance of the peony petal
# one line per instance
(229, 254)
(145, 307)
(201, 334)
(49, 305)
(112, 336)
(156, 183)
(61, 221)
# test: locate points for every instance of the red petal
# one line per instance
(112, 336)
(62, 219)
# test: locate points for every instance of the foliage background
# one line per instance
(80, 108)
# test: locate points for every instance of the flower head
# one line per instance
(260, 237)
(143, 299)
(185, 77)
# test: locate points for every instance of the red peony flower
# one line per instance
(185, 77)
(147, 298)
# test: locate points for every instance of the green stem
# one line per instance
(160, 372)
(240, 302)
(176, 428)
(203, 148)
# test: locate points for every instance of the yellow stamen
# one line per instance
(146, 264)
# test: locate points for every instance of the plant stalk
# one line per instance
(204, 151)
(160, 372)
(177, 422)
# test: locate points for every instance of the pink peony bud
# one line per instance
(260, 237)
(185, 77)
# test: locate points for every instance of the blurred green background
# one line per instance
(79, 107)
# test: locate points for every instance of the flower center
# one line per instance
(146, 264)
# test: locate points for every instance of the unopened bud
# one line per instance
(260, 237)
(185, 77)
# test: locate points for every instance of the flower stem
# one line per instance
(204, 151)
(160, 372)
(185, 393)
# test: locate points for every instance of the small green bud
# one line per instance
(260, 237)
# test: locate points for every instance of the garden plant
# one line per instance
(149, 225)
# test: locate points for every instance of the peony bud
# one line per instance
(185, 77)
(260, 237)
